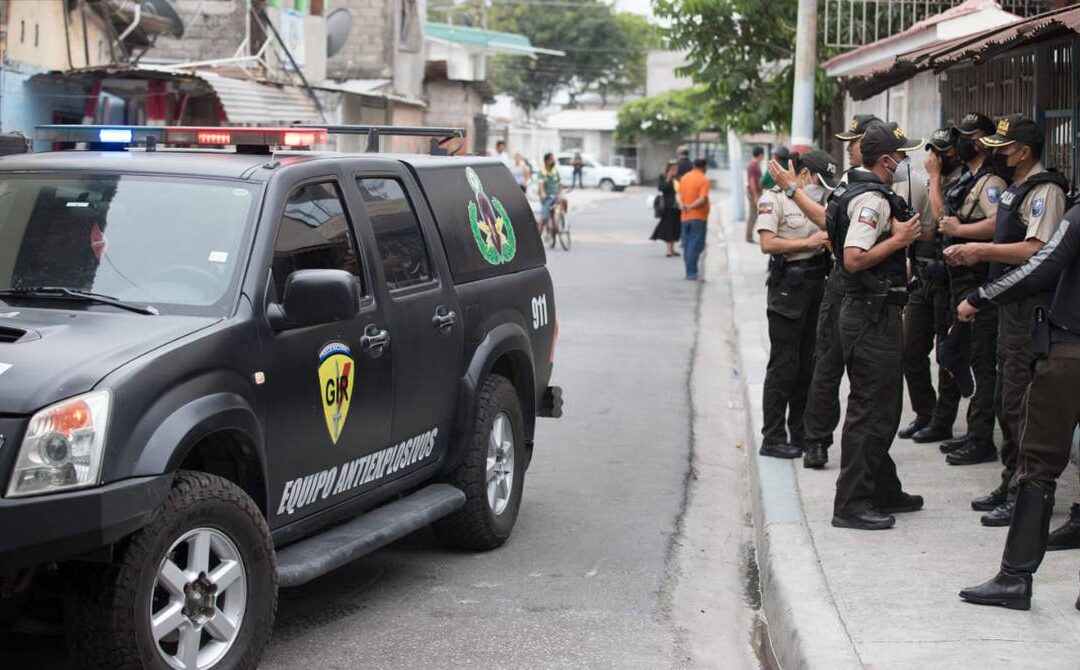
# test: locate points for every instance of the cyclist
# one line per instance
(550, 185)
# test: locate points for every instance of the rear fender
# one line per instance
(507, 342)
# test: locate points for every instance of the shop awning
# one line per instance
(491, 41)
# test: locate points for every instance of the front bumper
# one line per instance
(54, 527)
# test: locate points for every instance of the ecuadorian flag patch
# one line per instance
(869, 216)
(764, 208)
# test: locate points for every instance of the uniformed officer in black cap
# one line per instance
(870, 228)
(928, 314)
(796, 282)
(1051, 406)
(1029, 213)
(822, 413)
(968, 214)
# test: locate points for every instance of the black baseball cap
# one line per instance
(821, 164)
(942, 139)
(1015, 128)
(974, 122)
(782, 152)
(858, 127)
(885, 138)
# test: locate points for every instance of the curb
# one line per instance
(805, 628)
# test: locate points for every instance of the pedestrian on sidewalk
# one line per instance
(929, 311)
(521, 172)
(1028, 215)
(797, 271)
(1051, 406)
(694, 204)
(870, 228)
(969, 210)
(684, 163)
(502, 154)
(669, 226)
(753, 190)
(822, 414)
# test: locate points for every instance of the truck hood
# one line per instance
(62, 353)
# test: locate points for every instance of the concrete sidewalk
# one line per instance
(847, 599)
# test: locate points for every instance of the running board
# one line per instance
(315, 556)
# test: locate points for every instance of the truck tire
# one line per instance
(492, 474)
(607, 185)
(203, 567)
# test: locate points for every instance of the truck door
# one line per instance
(425, 316)
(330, 386)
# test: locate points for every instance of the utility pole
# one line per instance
(802, 106)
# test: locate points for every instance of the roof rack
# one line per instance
(375, 132)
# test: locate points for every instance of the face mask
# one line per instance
(966, 149)
(816, 192)
(999, 164)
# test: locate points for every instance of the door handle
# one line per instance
(375, 340)
(443, 319)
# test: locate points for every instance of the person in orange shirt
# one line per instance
(694, 196)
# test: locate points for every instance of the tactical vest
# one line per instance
(890, 272)
(1009, 227)
(957, 194)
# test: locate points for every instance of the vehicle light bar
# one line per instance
(209, 136)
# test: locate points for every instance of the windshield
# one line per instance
(168, 242)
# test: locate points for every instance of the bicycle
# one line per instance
(557, 227)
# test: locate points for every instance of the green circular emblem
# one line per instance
(491, 226)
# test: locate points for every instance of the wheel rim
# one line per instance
(500, 463)
(198, 601)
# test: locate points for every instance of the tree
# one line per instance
(741, 52)
(605, 51)
(667, 116)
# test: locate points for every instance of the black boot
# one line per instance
(999, 516)
(780, 450)
(990, 501)
(1024, 549)
(949, 446)
(1068, 535)
(815, 455)
(973, 453)
(915, 426)
(932, 433)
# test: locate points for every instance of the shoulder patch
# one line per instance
(993, 194)
(1038, 206)
(764, 207)
(869, 216)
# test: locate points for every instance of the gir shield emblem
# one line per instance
(491, 227)
(336, 374)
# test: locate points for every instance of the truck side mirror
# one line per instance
(314, 297)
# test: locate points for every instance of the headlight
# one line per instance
(63, 446)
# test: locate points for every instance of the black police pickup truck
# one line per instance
(225, 371)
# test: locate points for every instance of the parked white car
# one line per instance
(594, 173)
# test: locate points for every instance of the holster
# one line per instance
(777, 269)
(1040, 334)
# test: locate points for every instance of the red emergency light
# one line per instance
(240, 137)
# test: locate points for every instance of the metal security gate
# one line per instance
(1041, 82)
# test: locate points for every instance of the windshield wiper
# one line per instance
(64, 293)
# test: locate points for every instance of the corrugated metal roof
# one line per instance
(256, 103)
(978, 47)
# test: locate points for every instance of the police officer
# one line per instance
(969, 211)
(928, 313)
(796, 282)
(823, 400)
(1028, 215)
(1052, 405)
(870, 228)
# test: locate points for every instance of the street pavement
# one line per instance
(632, 548)
(892, 594)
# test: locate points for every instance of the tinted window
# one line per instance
(565, 160)
(314, 234)
(171, 242)
(465, 210)
(397, 232)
